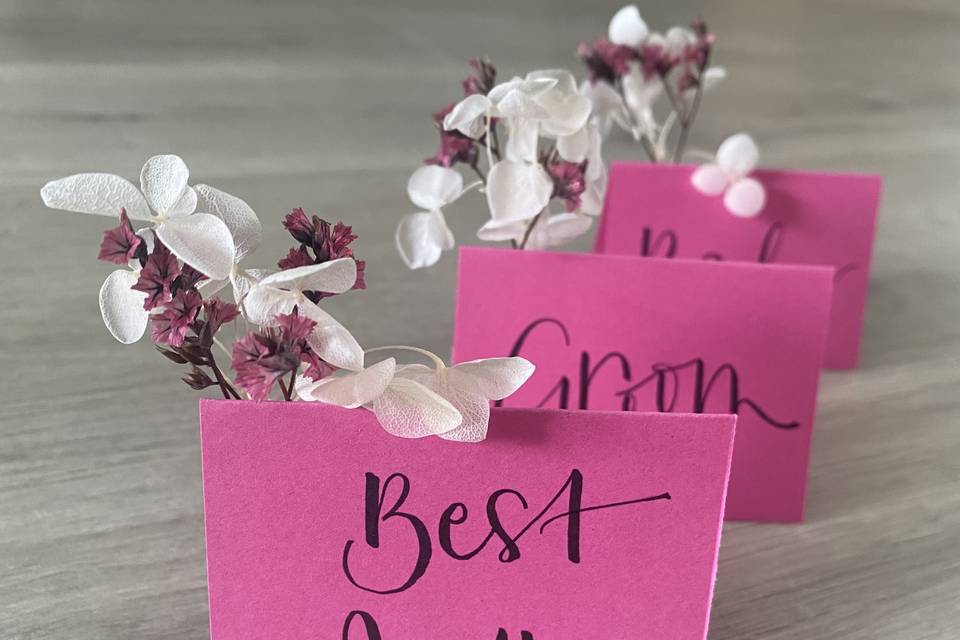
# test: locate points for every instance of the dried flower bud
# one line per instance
(198, 380)
(171, 355)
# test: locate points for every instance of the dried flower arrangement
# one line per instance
(633, 69)
(190, 247)
(530, 142)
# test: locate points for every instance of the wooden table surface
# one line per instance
(327, 107)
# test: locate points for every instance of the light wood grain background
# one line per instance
(327, 106)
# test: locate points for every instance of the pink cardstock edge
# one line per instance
(212, 403)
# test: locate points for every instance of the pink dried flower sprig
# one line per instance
(531, 142)
(632, 68)
(170, 272)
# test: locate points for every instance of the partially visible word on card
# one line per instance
(809, 218)
(645, 334)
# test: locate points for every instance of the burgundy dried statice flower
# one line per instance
(170, 325)
(655, 60)
(216, 313)
(606, 61)
(188, 279)
(121, 244)
(157, 276)
(261, 358)
(319, 242)
(569, 182)
(483, 78)
(316, 368)
(454, 146)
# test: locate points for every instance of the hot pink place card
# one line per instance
(561, 525)
(809, 218)
(616, 332)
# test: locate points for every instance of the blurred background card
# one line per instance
(615, 332)
(809, 218)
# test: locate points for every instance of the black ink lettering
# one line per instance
(771, 243)
(587, 373)
(373, 508)
(650, 247)
(563, 386)
(510, 550)
(450, 518)
(369, 625)
(574, 482)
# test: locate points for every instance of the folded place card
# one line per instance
(615, 332)
(809, 218)
(560, 525)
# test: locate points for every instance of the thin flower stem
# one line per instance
(283, 388)
(687, 119)
(223, 348)
(487, 144)
(399, 347)
(293, 377)
(496, 142)
(687, 122)
(526, 234)
(467, 189)
(225, 387)
(476, 169)
(648, 145)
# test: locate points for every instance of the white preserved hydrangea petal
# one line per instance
(470, 387)
(517, 190)
(350, 390)
(163, 180)
(422, 237)
(679, 38)
(519, 104)
(563, 81)
(330, 340)
(467, 116)
(738, 155)
(408, 409)
(494, 231)
(709, 179)
(532, 87)
(639, 93)
(334, 276)
(591, 202)
(523, 140)
(595, 165)
(627, 27)
(185, 205)
(432, 187)
(473, 407)
(263, 303)
(122, 307)
(101, 193)
(243, 280)
(607, 105)
(202, 241)
(574, 147)
(567, 109)
(557, 230)
(745, 198)
(711, 78)
(492, 378)
(239, 217)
